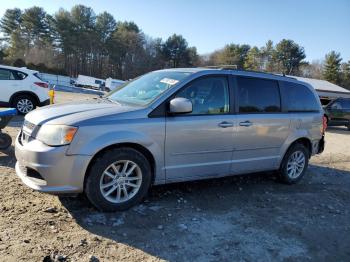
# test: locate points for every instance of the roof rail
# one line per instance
(234, 67)
(223, 67)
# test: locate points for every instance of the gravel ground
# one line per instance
(241, 218)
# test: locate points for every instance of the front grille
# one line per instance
(28, 129)
(27, 132)
(30, 126)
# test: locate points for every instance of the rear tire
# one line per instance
(294, 164)
(5, 141)
(108, 185)
(24, 104)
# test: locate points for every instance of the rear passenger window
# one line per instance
(299, 98)
(258, 95)
(19, 75)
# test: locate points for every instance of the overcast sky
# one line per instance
(319, 26)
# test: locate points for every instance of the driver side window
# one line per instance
(209, 95)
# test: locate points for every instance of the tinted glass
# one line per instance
(18, 75)
(5, 74)
(258, 95)
(38, 76)
(299, 98)
(208, 95)
(345, 104)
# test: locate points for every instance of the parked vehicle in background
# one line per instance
(57, 80)
(112, 84)
(22, 89)
(90, 82)
(169, 126)
(338, 112)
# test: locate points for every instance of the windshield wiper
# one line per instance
(110, 100)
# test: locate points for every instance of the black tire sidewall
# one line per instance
(92, 185)
(5, 141)
(20, 97)
(283, 170)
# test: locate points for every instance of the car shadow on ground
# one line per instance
(7, 157)
(338, 130)
(234, 217)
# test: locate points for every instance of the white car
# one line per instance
(22, 89)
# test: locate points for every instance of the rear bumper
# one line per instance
(54, 171)
(321, 145)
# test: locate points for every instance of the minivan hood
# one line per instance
(73, 112)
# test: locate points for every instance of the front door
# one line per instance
(199, 144)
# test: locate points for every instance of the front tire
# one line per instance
(294, 164)
(24, 104)
(118, 179)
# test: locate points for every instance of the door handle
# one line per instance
(225, 124)
(245, 123)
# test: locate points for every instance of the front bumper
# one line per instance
(55, 172)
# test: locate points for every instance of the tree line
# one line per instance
(79, 41)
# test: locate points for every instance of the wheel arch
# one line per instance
(306, 142)
(143, 150)
(28, 93)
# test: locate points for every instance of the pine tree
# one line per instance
(10, 22)
(331, 70)
(289, 56)
(345, 75)
(267, 53)
(253, 59)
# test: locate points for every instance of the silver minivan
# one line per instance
(169, 126)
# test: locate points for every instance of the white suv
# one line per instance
(22, 88)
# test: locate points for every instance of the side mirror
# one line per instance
(180, 105)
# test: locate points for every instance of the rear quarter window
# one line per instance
(299, 98)
(37, 76)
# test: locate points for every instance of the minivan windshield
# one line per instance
(145, 89)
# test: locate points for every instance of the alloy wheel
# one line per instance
(121, 181)
(25, 105)
(296, 164)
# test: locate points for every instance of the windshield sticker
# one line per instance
(169, 81)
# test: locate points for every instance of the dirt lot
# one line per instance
(242, 218)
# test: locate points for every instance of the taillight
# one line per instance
(41, 84)
(324, 124)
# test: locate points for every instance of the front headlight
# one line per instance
(56, 135)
